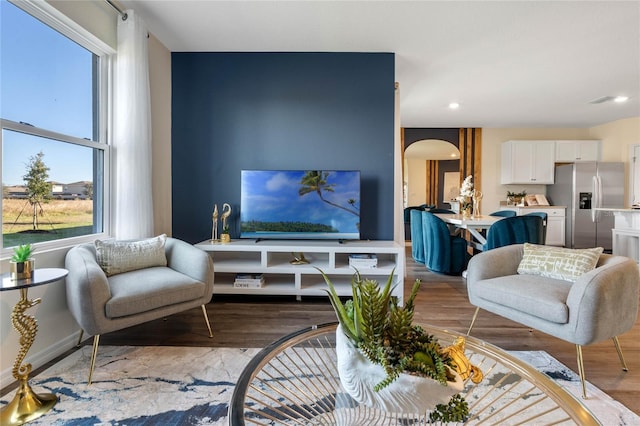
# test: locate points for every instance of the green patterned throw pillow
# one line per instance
(118, 256)
(558, 262)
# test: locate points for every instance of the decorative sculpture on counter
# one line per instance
(477, 196)
(214, 229)
(298, 259)
(226, 212)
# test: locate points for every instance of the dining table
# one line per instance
(476, 225)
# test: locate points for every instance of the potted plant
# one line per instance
(516, 198)
(225, 237)
(21, 264)
(387, 362)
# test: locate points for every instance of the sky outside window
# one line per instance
(46, 81)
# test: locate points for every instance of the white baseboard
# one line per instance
(39, 359)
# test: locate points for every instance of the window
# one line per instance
(53, 110)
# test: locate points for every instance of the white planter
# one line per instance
(408, 394)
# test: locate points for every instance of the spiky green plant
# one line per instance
(384, 332)
(22, 253)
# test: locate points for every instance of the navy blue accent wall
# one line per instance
(234, 111)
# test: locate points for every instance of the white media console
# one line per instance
(272, 258)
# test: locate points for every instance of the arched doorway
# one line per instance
(468, 143)
(467, 140)
(431, 172)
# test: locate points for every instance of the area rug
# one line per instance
(193, 386)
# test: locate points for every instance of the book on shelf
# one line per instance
(249, 281)
(363, 260)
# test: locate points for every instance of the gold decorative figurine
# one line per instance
(226, 212)
(298, 259)
(214, 229)
(477, 196)
(461, 363)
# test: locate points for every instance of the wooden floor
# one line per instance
(238, 321)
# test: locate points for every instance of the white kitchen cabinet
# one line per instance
(555, 221)
(528, 162)
(572, 151)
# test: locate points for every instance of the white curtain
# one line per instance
(133, 203)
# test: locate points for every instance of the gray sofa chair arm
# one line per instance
(91, 288)
(191, 261)
(495, 263)
(609, 293)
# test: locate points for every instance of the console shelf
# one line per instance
(273, 260)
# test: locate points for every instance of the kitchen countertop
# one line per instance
(617, 209)
(538, 207)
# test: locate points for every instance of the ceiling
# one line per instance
(507, 63)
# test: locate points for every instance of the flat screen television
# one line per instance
(300, 204)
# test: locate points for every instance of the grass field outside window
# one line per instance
(58, 219)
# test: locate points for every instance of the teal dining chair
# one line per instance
(443, 252)
(543, 215)
(504, 213)
(417, 240)
(515, 230)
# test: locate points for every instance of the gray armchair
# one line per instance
(101, 304)
(601, 304)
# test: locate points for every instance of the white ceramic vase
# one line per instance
(408, 394)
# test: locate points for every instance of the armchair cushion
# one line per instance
(558, 262)
(155, 288)
(546, 302)
(116, 257)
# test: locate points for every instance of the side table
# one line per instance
(26, 404)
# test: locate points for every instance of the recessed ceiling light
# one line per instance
(454, 105)
(604, 99)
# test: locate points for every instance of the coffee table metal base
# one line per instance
(295, 381)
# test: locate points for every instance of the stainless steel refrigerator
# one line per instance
(581, 187)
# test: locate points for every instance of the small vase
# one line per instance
(476, 207)
(225, 238)
(466, 212)
(21, 270)
(408, 394)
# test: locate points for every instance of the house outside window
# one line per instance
(54, 115)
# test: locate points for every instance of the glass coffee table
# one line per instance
(295, 381)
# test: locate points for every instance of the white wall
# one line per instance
(416, 169)
(617, 138)
(160, 85)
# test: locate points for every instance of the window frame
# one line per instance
(59, 22)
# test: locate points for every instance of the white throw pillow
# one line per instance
(558, 262)
(118, 256)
